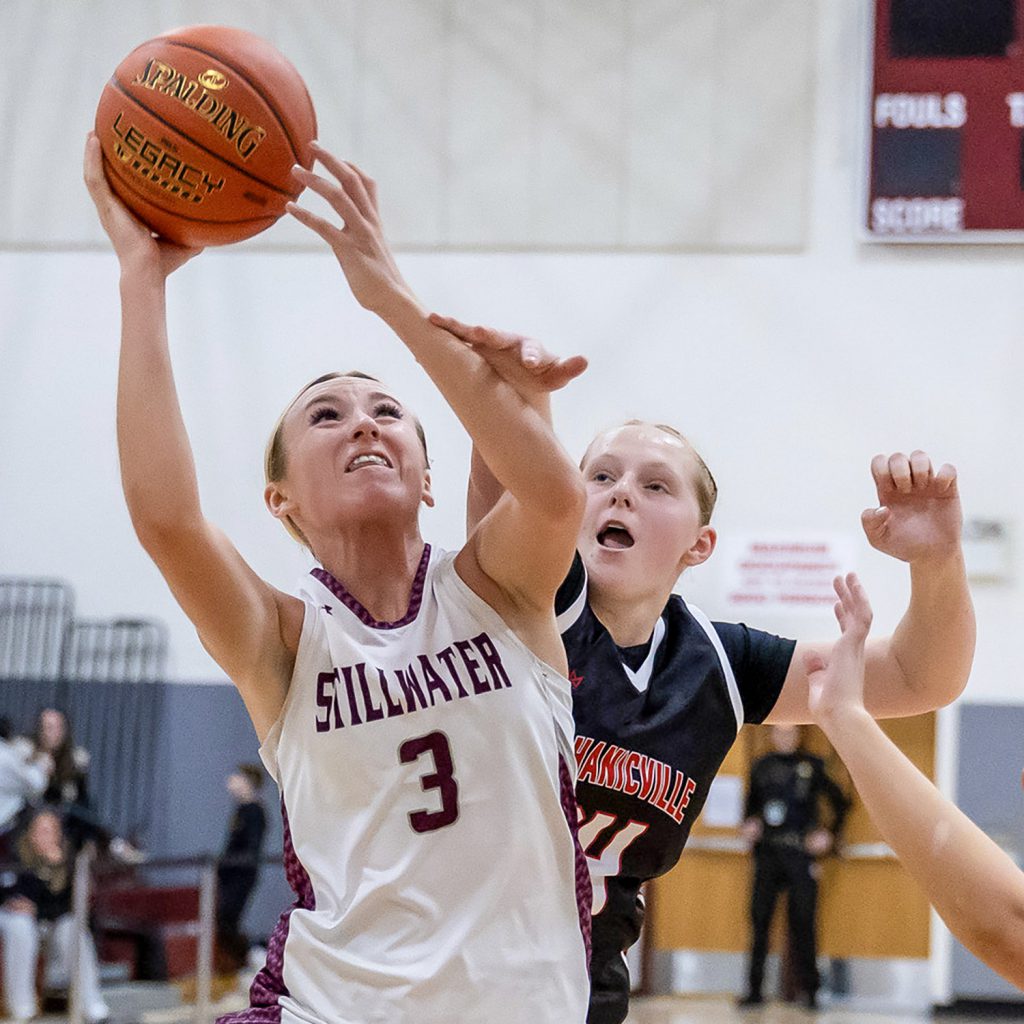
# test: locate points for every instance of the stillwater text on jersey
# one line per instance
(359, 694)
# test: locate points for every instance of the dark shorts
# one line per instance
(609, 987)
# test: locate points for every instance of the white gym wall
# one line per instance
(671, 188)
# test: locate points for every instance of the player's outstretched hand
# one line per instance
(522, 362)
(919, 517)
(134, 243)
(358, 241)
(837, 685)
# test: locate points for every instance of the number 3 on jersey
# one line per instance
(441, 778)
(604, 852)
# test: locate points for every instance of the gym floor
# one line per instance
(152, 1003)
(718, 1010)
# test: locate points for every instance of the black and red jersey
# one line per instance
(653, 725)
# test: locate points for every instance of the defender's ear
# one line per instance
(701, 550)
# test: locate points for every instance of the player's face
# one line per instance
(643, 516)
(352, 453)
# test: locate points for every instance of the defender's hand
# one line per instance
(522, 362)
(751, 830)
(919, 517)
(20, 905)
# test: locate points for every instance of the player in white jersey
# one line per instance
(412, 705)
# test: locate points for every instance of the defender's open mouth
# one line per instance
(615, 536)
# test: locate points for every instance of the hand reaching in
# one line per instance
(20, 905)
(751, 831)
(522, 362)
(837, 685)
(819, 842)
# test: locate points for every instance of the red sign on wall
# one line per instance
(947, 121)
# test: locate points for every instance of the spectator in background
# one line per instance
(23, 778)
(37, 910)
(237, 872)
(782, 823)
(239, 866)
(69, 775)
(66, 786)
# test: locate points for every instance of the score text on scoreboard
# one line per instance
(947, 122)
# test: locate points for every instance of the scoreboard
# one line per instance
(947, 122)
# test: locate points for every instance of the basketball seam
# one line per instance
(182, 216)
(178, 131)
(253, 85)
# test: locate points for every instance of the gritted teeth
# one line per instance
(368, 459)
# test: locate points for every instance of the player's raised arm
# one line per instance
(237, 615)
(525, 365)
(925, 663)
(526, 547)
(973, 884)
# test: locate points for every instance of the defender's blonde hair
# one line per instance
(707, 489)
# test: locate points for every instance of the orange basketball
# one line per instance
(200, 128)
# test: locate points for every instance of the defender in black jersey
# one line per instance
(660, 692)
(653, 725)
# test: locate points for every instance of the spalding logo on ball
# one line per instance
(199, 129)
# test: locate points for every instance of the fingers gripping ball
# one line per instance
(199, 130)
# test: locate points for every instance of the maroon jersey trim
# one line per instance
(338, 589)
(584, 889)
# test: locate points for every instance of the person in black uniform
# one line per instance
(661, 691)
(239, 866)
(784, 795)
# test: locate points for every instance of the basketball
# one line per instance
(199, 129)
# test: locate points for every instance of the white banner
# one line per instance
(785, 573)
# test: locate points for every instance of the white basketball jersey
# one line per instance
(426, 769)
